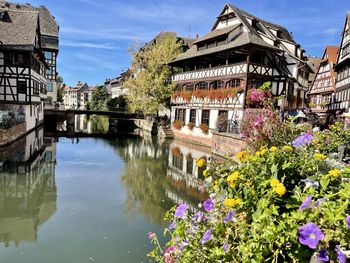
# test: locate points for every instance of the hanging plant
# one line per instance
(201, 94)
(176, 94)
(186, 95)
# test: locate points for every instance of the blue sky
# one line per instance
(95, 35)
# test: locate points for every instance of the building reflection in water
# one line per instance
(153, 179)
(27, 187)
(186, 178)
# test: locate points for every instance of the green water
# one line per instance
(90, 200)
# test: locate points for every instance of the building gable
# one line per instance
(344, 50)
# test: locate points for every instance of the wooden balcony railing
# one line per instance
(221, 71)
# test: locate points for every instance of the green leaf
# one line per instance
(324, 182)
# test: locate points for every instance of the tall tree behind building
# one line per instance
(150, 86)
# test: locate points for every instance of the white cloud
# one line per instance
(79, 44)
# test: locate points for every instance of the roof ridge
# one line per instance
(253, 16)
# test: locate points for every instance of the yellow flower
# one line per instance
(205, 172)
(249, 183)
(232, 184)
(258, 154)
(263, 152)
(288, 148)
(334, 172)
(263, 148)
(232, 202)
(200, 163)
(273, 149)
(233, 177)
(216, 185)
(274, 182)
(319, 156)
(280, 189)
(241, 155)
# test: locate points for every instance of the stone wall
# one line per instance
(147, 125)
(9, 135)
(226, 144)
(193, 137)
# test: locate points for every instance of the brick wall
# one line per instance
(225, 144)
(9, 135)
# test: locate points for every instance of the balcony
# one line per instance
(222, 71)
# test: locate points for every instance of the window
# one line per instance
(22, 86)
(188, 87)
(36, 88)
(193, 116)
(189, 164)
(205, 117)
(233, 83)
(222, 121)
(49, 86)
(218, 84)
(202, 86)
(178, 161)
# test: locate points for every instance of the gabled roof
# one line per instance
(248, 36)
(347, 22)
(242, 40)
(329, 57)
(20, 31)
(216, 33)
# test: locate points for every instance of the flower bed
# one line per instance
(177, 124)
(204, 127)
(280, 204)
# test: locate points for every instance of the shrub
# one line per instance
(201, 94)
(204, 127)
(177, 124)
(9, 120)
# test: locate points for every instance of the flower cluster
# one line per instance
(291, 199)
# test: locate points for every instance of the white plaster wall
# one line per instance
(214, 114)
(37, 115)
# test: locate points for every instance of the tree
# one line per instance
(149, 85)
(59, 90)
(118, 103)
(100, 98)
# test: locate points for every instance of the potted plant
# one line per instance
(178, 124)
(204, 127)
(190, 125)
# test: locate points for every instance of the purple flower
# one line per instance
(348, 221)
(307, 203)
(199, 216)
(180, 210)
(321, 201)
(229, 216)
(340, 254)
(225, 247)
(183, 244)
(303, 139)
(206, 237)
(208, 205)
(322, 255)
(172, 225)
(310, 235)
(311, 183)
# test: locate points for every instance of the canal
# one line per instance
(91, 199)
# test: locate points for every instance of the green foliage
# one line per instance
(267, 191)
(329, 140)
(60, 81)
(9, 120)
(150, 87)
(99, 99)
(118, 103)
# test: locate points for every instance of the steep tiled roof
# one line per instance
(241, 40)
(216, 33)
(20, 30)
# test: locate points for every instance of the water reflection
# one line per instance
(27, 187)
(155, 177)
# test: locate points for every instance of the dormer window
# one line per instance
(4, 17)
(279, 33)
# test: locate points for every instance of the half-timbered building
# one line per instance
(240, 52)
(23, 82)
(322, 91)
(343, 69)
